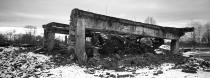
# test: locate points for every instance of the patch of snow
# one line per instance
(74, 71)
(187, 54)
(158, 51)
(170, 73)
(40, 57)
(70, 71)
(10, 49)
(166, 47)
(206, 52)
(176, 73)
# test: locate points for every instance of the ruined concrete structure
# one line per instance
(82, 22)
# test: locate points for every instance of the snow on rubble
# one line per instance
(9, 49)
(15, 63)
(33, 65)
(40, 57)
(166, 47)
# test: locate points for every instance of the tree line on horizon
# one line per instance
(199, 37)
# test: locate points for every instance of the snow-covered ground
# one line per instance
(202, 53)
(74, 71)
(187, 54)
(163, 71)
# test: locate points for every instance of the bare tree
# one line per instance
(150, 20)
(31, 29)
(10, 34)
(206, 35)
(196, 36)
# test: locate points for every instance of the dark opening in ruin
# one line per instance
(108, 44)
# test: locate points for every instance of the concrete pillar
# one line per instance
(174, 46)
(72, 39)
(49, 40)
(77, 38)
(80, 42)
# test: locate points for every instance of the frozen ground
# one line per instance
(164, 71)
(74, 71)
(200, 54)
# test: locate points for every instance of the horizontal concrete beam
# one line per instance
(64, 29)
(57, 27)
(106, 23)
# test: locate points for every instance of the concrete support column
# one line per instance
(80, 42)
(174, 46)
(72, 39)
(49, 40)
(77, 38)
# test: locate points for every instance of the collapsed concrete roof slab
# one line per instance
(107, 23)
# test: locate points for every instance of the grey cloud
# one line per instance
(164, 11)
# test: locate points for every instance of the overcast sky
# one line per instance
(166, 12)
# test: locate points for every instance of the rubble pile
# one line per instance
(117, 52)
(15, 63)
(122, 44)
(192, 65)
(113, 51)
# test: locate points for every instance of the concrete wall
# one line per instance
(107, 23)
(102, 25)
